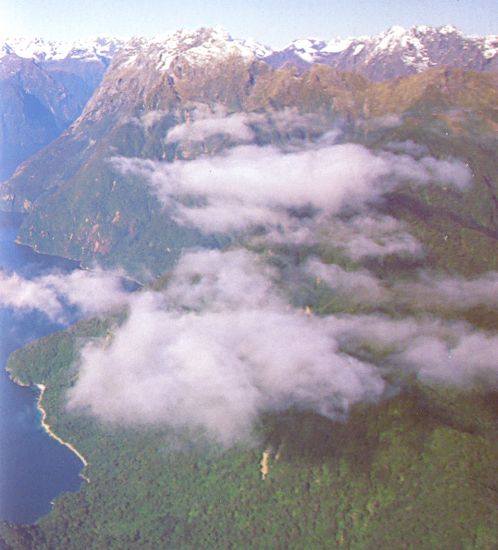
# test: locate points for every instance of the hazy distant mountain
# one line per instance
(100, 48)
(396, 52)
(44, 86)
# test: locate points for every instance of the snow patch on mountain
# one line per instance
(205, 45)
(415, 49)
(40, 50)
(358, 49)
(395, 52)
(6, 50)
(337, 45)
(490, 46)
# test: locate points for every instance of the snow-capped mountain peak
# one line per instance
(37, 48)
(307, 48)
(393, 37)
(197, 47)
(206, 44)
(397, 51)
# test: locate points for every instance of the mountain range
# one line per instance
(45, 84)
(310, 358)
(395, 52)
(151, 86)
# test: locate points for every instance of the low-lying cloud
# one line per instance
(26, 295)
(150, 118)
(424, 291)
(373, 236)
(391, 120)
(409, 147)
(216, 350)
(205, 123)
(359, 286)
(221, 345)
(91, 292)
(436, 350)
(266, 182)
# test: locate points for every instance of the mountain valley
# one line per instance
(313, 232)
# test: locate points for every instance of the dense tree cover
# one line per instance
(416, 471)
(413, 471)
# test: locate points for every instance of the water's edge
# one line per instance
(46, 426)
(35, 469)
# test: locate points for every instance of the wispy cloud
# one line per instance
(150, 118)
(435, 350)
(391, 120)
(26, 295)
(266, 182)
(91, 292)
(216, 350)
(359, 286)
(221, 345)
(204, 123)
(409, 147)
(373, 236)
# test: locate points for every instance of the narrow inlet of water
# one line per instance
(34, 468)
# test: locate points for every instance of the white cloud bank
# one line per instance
(250, 186)
(216, 350)
(203, 122)
(220, 346)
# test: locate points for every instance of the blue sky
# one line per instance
(274, 22)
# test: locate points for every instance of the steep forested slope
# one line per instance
(324, 374)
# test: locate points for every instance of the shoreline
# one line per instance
(46, 426)
(80, 265)
(15, 380)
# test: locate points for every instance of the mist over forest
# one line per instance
(282, 328)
